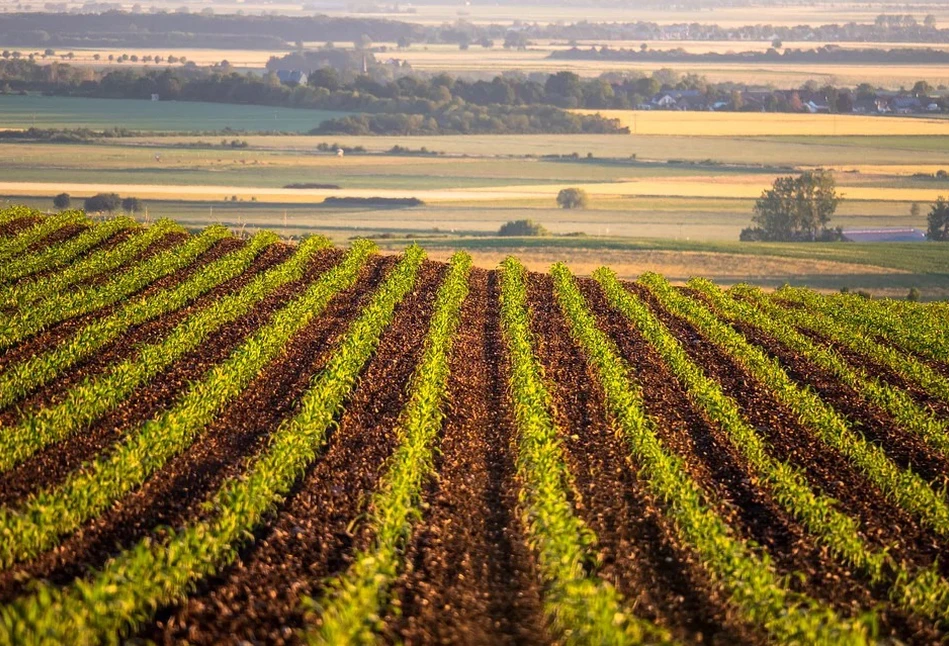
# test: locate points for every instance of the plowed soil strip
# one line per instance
(472, 578)
(883, 373)
(172, 497)
(57, 332)
(150, 332)
(59, 235)
(904, 448)
(259, 597)
(51, 465)
(717, 466)
(828, 471)
(640, 553)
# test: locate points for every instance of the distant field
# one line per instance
(752, 124)
(177, 116)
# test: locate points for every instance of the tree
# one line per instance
(929, 21)
(938, 219)
(777, 44)
(914, 211)
(795, 208)
(62, 201)
(132, 205)
(572, 198)
(914, 295)
(404, 42)
(363, 42)
(103, 202)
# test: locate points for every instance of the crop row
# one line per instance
(41, 368)
(354, 599)
(11, 247)
(58, 255)
(60, 306)
(97, 263)
(923, 592)
(53, 512)
(96, 395)
(131, 586)
(905, 488)
(581, 607)
(753, 587)
(17, 212)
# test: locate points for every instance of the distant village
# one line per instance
(815, 102)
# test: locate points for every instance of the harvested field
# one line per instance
(275, 444)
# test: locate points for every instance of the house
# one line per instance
(905, 105)
(680, 100)
(292, 77)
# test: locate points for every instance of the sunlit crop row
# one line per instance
(10, 247)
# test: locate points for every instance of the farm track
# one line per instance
(638, 550)
(789, 441)
(471, 579)
(54, 463)
(174, 494)
(149, 332)
(314, 534)
(56, 333)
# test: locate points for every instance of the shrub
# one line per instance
(103, 202)
(522, 228)
(913, 295)
(132, 205)
(62, 201)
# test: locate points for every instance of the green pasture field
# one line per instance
(171, 116)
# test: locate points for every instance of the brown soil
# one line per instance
(471, 578)
(639, 549)
(259, 598)
(16, 226)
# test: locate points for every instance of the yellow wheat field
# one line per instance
(757, 124)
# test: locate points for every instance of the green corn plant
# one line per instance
(97, 263)
(59, 307)
(787, 485)
(97, 395)
(39, 522)
(41, 368)
(11, 247)
(581, 607)
(753, 586)
(128, 590)
(355, 598)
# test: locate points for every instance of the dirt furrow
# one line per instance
(52, 464)
(173, 495)
(258, 599)
(14, 227)
(638, 548)
(472, 579)
(828, 471)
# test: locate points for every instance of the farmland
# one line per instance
(219, 438)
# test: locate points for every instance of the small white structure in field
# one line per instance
(340, 152)
(155, 97)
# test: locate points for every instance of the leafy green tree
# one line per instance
(102, 202)
(522, 228)
(795, 208)
(572, 198)
(939, 221)
(62, 201)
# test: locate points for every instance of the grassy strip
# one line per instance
(25, 376)
(582, 608)
(753, 587)
(11, 247)
(781, 324)
(903, 487)
(138, 581)
(913, 327)
(61, 306)
(99, 394)
(96, 263)
(351, 608)
(923, 592)
(44, 517)
(66, 251)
